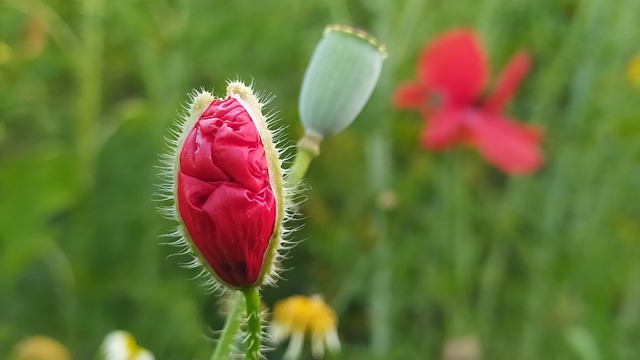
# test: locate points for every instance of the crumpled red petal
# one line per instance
(224, 192)
(511, 147)
(455, 65)
(508, 82)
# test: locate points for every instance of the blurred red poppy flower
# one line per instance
(452, 75)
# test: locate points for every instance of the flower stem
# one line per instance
(231, 327)
(88, 71)
(254, 325)
(308, 149)
(463, 248)
(380, 169)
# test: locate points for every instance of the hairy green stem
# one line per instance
(230, 330)
(254, 323)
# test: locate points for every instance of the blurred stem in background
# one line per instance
(584, 29)
(380, 172)
(88, 69)
(463, 247)
(231, 328)
(85, 53)
(380, 169)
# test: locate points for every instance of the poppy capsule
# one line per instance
(343, 71)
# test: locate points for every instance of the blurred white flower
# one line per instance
(121, 345)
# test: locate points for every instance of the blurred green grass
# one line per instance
(544, 266)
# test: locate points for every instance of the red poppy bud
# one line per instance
(229, 189)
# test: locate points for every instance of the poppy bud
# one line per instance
(228, 187)
(339, 80)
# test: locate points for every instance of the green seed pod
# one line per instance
(341, 76)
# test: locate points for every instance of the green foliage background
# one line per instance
(535, 267)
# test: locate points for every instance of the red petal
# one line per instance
(509, 81)
(455, 65)
(229, 225)
(442, 129)
(225, 198)
(509, 146)
(410, 96)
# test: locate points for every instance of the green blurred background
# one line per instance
(544, 266)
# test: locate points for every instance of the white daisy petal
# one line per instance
(116, 345)
(295, 346)
(317, 345)
(278, 332)
(332, 340)
(144, 354)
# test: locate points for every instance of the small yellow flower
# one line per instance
(40, 348)
(121, 345)
(298, 315)
(633, 70)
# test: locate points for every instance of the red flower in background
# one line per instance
(453, 70)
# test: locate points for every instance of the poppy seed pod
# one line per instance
(343, 71)
(227, 187)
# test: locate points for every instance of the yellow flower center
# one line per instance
(132, 346)
(302, 314)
